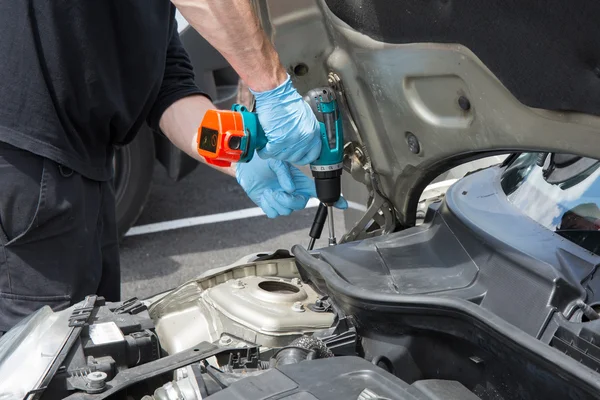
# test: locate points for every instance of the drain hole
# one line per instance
(278, 287)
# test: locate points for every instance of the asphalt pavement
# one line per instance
(169, 255)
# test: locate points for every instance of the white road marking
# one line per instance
(357, 206)
(214, 218)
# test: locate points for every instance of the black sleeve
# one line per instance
(178, 80)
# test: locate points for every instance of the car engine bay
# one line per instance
(478, 300)
(449, 309)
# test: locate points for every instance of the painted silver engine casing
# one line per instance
(262, 303)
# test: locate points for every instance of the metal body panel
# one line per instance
(420, 89)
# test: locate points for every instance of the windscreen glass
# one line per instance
(561, 192)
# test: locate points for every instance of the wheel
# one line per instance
(134, 165)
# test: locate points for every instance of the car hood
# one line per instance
(417, 103)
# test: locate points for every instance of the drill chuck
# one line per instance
(328, 185)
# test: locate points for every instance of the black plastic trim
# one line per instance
(348, 296)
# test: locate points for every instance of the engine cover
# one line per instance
(351, 378)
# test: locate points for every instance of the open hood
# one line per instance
(431, 85)
(495, 295)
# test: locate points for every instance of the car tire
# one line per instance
(134, 165)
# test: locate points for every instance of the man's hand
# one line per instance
(277, 187)
(291, 128)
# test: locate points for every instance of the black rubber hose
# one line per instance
(303, 348)
(291, 355)
(314, 344)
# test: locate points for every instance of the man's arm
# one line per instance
(180, 124)
(292, 130)
(232, 28)
(181, 105)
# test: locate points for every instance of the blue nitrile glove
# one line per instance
(277, 187)
(291, 128)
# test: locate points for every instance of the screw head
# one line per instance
(96, 380)
(238, 284)
(298, 307)
(413, 143)
(225, 340)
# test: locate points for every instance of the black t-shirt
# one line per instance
(78, 77)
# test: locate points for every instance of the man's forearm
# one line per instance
(180, 124)
(232, 28)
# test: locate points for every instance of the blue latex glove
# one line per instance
(291, 128)
(277, 187)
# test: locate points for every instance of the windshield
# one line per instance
(559, 191)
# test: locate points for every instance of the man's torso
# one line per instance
(78, 76)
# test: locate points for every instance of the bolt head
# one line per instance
(238, 284)
(96, 380)
(413, 143)
(298, 307)
(225, 340)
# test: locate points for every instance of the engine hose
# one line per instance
(291, 355)
(588, 311)
(303, 348)
(314, 344)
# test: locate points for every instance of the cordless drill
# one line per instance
(225, 137)
(327, 169)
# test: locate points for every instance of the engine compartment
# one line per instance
(477, 302)
(345, 377)
(394, 351)
(394, 317)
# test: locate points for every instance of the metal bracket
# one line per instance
(379, 211)
(357, 162)
(129, 377)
